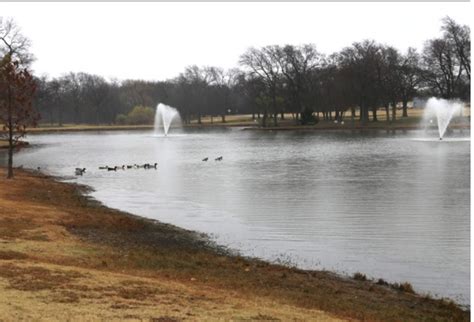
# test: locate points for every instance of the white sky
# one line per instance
(156, 41)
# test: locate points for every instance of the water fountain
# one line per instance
(443, 111)
(165, 115)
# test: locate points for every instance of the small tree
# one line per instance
(17, 88)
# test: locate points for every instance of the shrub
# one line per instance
(381, 281)
(359, 277)
(406, 287)
(121, 119)
(141, 115)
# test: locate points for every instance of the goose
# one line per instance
(112, 169)
(205, 159)
(218, 159)
(129, 166)
(150, 166)
(103, 168)
(80, 172)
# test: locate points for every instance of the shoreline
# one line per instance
(250, 126)
(111, 241)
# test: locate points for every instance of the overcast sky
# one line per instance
(155, 41)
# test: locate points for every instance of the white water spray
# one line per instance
(443, 111)
(165, 115)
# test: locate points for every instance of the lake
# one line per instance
(391, 206)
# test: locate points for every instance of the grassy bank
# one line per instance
(64, 256)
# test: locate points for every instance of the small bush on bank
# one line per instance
(404, 287)
(381, 281)
(139, 115)
(121, 119)
(359, 277)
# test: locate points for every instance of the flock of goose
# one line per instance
(81, 171)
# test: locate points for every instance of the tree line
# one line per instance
(273, 81)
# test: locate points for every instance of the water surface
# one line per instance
(388, 205)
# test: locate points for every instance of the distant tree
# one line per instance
(263, 63)
(460, 37)
(96, 90)
(72, 84)
(17, 88)
(442, 70)
(223, 81)
(297, 65)
(358, 64)
(410, 77)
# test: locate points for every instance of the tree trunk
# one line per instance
(364, 115)
(387, 112)
(282, 115)
(374, 114)
(223, 118)
(275, 119)
(394, 112)
(60, 117)
(10, 155)
(264, 119)
(10, 136)
(405, 108)
(76, 115)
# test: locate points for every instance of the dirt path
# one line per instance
(64, 256)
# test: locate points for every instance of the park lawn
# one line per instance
(64, 256)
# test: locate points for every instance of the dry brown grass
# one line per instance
(63, 255)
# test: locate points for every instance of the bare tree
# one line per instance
(358, 63)
(442, 68)
(223, 81)
(460, 36)
(297, 64)
(17, 88)
(12, 42)
(263, 63)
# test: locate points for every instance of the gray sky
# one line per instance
(156, 41)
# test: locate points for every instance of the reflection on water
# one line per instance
(382, 204)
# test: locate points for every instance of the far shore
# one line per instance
(64, 255)
(247, 122)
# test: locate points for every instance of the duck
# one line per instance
(205, 159)
(129, 166)
(103, 168)
(80, 171)
(112, 169)
(218, 159)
